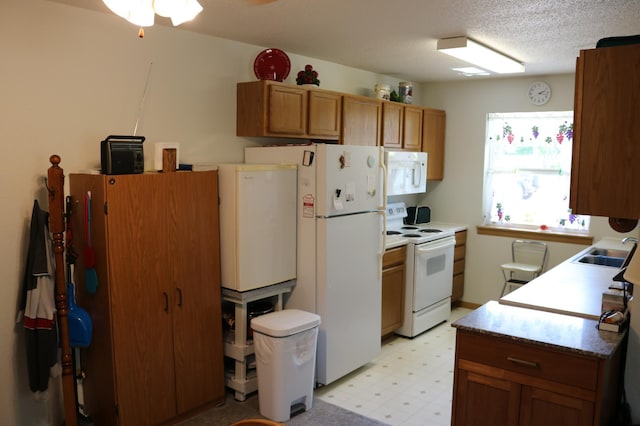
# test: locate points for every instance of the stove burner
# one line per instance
(393, 233)
(409, 227)
(430, 230)
(411, 235)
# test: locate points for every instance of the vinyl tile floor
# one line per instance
(410, 383)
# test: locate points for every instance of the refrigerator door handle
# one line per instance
(384, 199)
(383, 209)
(384, 241)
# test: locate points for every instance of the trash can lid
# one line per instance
(285, 322)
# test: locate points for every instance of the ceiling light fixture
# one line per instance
(471, 71)
(142, 12)
(475, 53)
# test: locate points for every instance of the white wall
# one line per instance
(69, 78)
(458, 198)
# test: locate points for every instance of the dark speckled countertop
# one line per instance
(551, 330)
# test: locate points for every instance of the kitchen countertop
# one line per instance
(571, 288)
(455, 227)
(550, 330)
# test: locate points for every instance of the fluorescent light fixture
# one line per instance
(475, 53)
(471, 71)
(142, 12)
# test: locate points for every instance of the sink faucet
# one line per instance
(632, 239)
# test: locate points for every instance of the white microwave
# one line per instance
(406, 172)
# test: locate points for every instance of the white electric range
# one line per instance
(429, 271)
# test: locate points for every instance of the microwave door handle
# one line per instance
(416, 181)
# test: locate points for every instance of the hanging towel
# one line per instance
(38, 303)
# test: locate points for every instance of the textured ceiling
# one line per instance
(398, 38)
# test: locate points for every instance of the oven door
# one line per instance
(433, 272)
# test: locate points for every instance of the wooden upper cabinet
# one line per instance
(412, 129)
(433, 131)
(392, 119)
(401, 126)
(606, 146)
(270, 108)
(287, 110)
(324, 114)
(361, 119)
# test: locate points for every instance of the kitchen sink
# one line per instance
(605, 257)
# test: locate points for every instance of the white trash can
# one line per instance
(285, 345)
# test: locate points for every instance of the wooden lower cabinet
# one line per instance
(393, 274)
(459, 253)
(499, 381)
(156, 353)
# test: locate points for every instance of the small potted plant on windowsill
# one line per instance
(308, 76)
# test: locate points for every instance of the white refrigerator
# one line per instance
(257, 208)
(340, 244)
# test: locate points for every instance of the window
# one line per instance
(528, 171)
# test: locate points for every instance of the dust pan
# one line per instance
(257, 422)
(79, 322)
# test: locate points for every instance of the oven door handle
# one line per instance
(436, 245)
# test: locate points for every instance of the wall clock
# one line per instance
(539, 93)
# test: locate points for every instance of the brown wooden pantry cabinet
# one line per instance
(606, 147)
(156, 352)
(393, 273)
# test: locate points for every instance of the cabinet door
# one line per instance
(604, 172)
(195, 288)
(138, 244)
(433, 131)
(484, 400)
(412, 129)
(392, 298)
(361, 121)
(457, 288)
(287, 110)
(543, 408)
(324, 113)
(392, 118)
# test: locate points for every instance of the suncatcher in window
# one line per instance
(528, 171)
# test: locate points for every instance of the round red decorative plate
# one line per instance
(272, 64)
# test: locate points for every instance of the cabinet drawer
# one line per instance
(461, 238)
(394, 256)
(534, 361)
(459, 252)
(458, 267)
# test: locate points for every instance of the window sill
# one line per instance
(535, 234)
